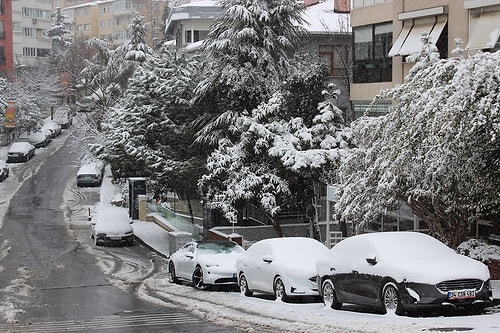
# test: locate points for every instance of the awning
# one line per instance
(485, 33)
(409, 39)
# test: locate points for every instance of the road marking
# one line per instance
(102, 323)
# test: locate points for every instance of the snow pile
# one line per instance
(479, 250)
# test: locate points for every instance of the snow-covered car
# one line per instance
(205, 263)
(284, 267)
(4, 170)
(20, 152)
(39, 139)
(90, 174)
(111, 225)
(399, 272)
(53, 127)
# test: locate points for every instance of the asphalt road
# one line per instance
(50, 282)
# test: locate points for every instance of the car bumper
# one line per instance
(216, 276)
(418, 295)
(14, 159)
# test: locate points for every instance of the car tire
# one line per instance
(391, 301)
(197, 278)
(279, 290)
(328, 295)
(172, 277)
(96, 241)
(244, 286)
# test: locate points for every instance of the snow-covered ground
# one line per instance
(255, 314)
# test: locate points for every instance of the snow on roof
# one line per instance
(321, 19)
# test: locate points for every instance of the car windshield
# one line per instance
(218, 247)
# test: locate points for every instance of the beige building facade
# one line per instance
(109, 20)
(387, 31)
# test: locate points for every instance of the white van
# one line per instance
(90, 174)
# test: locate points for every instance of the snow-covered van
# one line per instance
(90, 174)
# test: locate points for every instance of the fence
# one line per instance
(180, 221)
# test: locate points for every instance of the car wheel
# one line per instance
(328, 295)
(279, 290)
(172, 277)
(197, 278)
(96, 241)
(244, 286)
(390, 299)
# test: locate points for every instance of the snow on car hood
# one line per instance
(432, 270)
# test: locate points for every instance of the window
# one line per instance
(371, 61)
(409, 39)
(29, 52)
(192, 36)
(2, 31)
(102, 24)
(42, 53)
(2, 55)
(36, 13)
(17, 27)
(29, 32)
(336, 58)
(86, 26)
(86, 11)
(378, 109)
(484, 33)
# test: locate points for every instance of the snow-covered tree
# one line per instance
(136, 48)
(437, 150)
(272, 154)
(59, 33)
(33, 90)
(248, 50)
(149, 130)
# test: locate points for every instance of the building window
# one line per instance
(378, 109)
(192, 36)
(29, 52)
(111, 23)
(86, 11)
(29, 32)
(371, 61)
(36, 13)
(17, 27)
(42, 53)
(2, 56)
(484, 33)
(2, 31)
(102, 24)
(86, 26)
(336, 58)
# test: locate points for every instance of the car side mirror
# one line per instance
(371, 259)
(267, 258)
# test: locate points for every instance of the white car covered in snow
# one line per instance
(401, 271)
(111, 225)
(284, 267)
(205, 263)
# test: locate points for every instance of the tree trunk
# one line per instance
(190, 207)
(277, 226)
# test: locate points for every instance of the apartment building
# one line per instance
(6, 49)
(30, 18)
(387, 31)
(109, 20)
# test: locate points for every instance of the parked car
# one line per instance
(53, 127)
(20, 152)
(90, 174)
(4, 170)
(63, 118)
(284, 267)
(110, 224)
(401, 271)
(39, 139)
(205, 263)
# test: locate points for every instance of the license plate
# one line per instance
(462, 294)
(115, 238)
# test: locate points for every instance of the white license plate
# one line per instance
(115, 238)
(462, 294)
